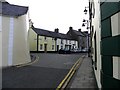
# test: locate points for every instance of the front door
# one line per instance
(57, 47)
(45, 48)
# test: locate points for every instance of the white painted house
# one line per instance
(14, 34)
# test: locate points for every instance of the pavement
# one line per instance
(84, 77)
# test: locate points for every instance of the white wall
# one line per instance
(59, 43)
(96, 24)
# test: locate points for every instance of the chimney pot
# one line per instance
(57, 30)
(70, 28)
(79, 30)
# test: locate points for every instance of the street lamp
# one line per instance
(85, 11)
(86, 22)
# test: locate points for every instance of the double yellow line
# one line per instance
(66, 80)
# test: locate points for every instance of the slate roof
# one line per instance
(13, 10)
(78, 33)
(48, 33)
(85, 33)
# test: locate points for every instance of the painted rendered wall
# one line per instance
(115, 21)
(49, 41)
(15, 40)
(32, 40)
(0, 41)
(21, 41)
(5, 36)
(59, 43)
(96, 24)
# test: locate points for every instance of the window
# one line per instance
(52, 39)
(66, 41)
(95, 45)
(52, 47)
(70, 42)
(61, 47)
(45, 38)
(41, 46)
(61, 41)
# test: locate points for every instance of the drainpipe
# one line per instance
(37, 41)
(55, 44)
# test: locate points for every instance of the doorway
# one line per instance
(45, 48)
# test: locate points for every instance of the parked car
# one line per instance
(75, 50)
(84, 50)
(64, 51)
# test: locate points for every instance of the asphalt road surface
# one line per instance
(47, 72)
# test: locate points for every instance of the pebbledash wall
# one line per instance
(14, 31)
(105, 26)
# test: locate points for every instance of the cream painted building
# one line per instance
(14, 34)
(41, 40)
(104, 17)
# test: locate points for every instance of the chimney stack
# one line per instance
(79, 30)
(57, 30)
(70, 28)
(30, 23)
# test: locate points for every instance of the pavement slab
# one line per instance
(84, 77)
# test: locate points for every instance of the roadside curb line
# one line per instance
(30, 63)
(70, 74)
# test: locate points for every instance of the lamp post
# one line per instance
(85, 11)
(87, 23)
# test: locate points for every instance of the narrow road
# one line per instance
(47, 72)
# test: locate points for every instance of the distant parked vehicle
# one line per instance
(84, 50)
(75, 50)
(64, 51)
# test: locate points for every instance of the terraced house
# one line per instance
(14, 23)
(42, 40)
(105, 27)
(81, 36)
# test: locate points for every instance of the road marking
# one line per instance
(68, 77)
(30, 63)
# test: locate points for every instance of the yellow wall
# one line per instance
(32, 40)
(20, 52)
(0, 48)
(5, 36)
(48, 41)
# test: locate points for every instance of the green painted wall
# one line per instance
(110, 45)
(109, 8)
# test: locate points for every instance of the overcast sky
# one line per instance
(51, 14)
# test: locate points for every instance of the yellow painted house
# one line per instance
(14, 25)
(41, 40)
